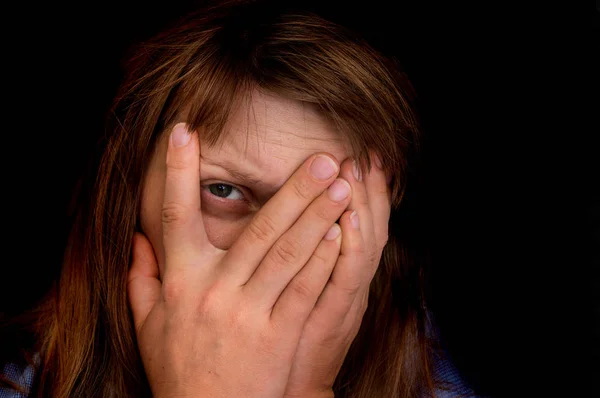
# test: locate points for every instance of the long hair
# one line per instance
(202, 66)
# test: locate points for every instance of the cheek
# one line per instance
(222, 233)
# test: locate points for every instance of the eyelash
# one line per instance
(233, 188)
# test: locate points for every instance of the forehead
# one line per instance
(270, 136)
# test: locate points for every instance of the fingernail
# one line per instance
(180, 136)
(356, 171)
(378, 162)
(323, 167)
(333, 232)
(354, 219)
(339, 190)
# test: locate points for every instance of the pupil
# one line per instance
(221, 190)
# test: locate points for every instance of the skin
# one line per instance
(267, 141)
(265, 284)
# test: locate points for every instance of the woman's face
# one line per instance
(265, 142)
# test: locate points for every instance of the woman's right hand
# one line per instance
(227, 323)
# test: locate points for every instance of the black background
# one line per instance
(499, 200)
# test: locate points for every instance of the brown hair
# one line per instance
(203, 65)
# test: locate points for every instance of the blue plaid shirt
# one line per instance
(22, 376)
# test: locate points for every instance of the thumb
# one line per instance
(143, 283)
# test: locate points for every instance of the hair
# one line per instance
(204, 66)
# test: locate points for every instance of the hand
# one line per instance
(228, 323)
(335, 320)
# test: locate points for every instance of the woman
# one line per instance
(238, 225)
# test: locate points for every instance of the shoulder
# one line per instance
(447, 377)
(449, 381)
(20, 375)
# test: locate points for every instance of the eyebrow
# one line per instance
(245, 177)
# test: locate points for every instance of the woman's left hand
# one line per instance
(336, 318)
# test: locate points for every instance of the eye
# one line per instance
(225, 191)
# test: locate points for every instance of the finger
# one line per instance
(350, 274)
(353, 173)
(300, 295)
(143, 284)
(278, 215)
(183, 230)
(378, 195)
(293, 250)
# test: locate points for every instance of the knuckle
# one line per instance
(373, 257)
(173, 213)
(262, 228)
(358, 249)
(287, 251)
(321, 258)
(362, 203)
(301, 188)
(209, 304)
(301, 289)
(349, 287)
(176, 163)
(325, 214)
